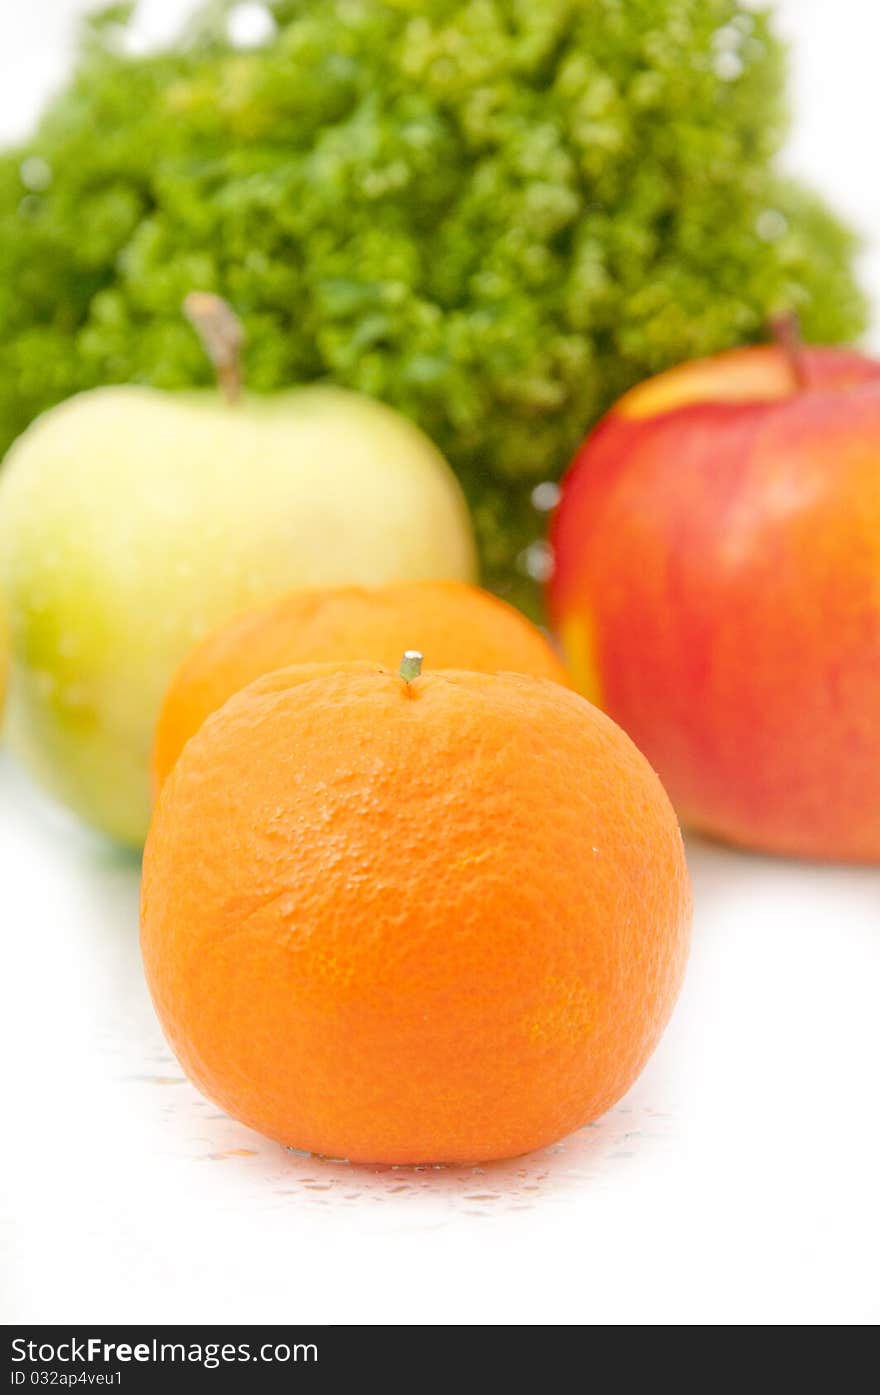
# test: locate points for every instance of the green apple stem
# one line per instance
(222, 336)
(786, 330)
(411, 665)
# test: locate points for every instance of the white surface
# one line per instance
(737, 1183)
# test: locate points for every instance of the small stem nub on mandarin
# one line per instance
(222, 336)
(411, 665)
(786, 330)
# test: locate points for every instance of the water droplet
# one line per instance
(536, 561)
(35, 173)
(728, 66)
(727, 37)
(545, 496)
(770, 225)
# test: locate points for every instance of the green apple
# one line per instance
(4, 653)
(133, 521)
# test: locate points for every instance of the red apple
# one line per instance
(717, 591)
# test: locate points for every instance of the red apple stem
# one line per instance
(222, 336)
(786, 330)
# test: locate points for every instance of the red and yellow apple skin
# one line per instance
(717, 591)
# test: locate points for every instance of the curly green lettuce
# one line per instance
(495, 215)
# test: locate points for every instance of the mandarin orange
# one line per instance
(453, 624)
(401, 921)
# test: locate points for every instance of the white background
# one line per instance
(739, 1180)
